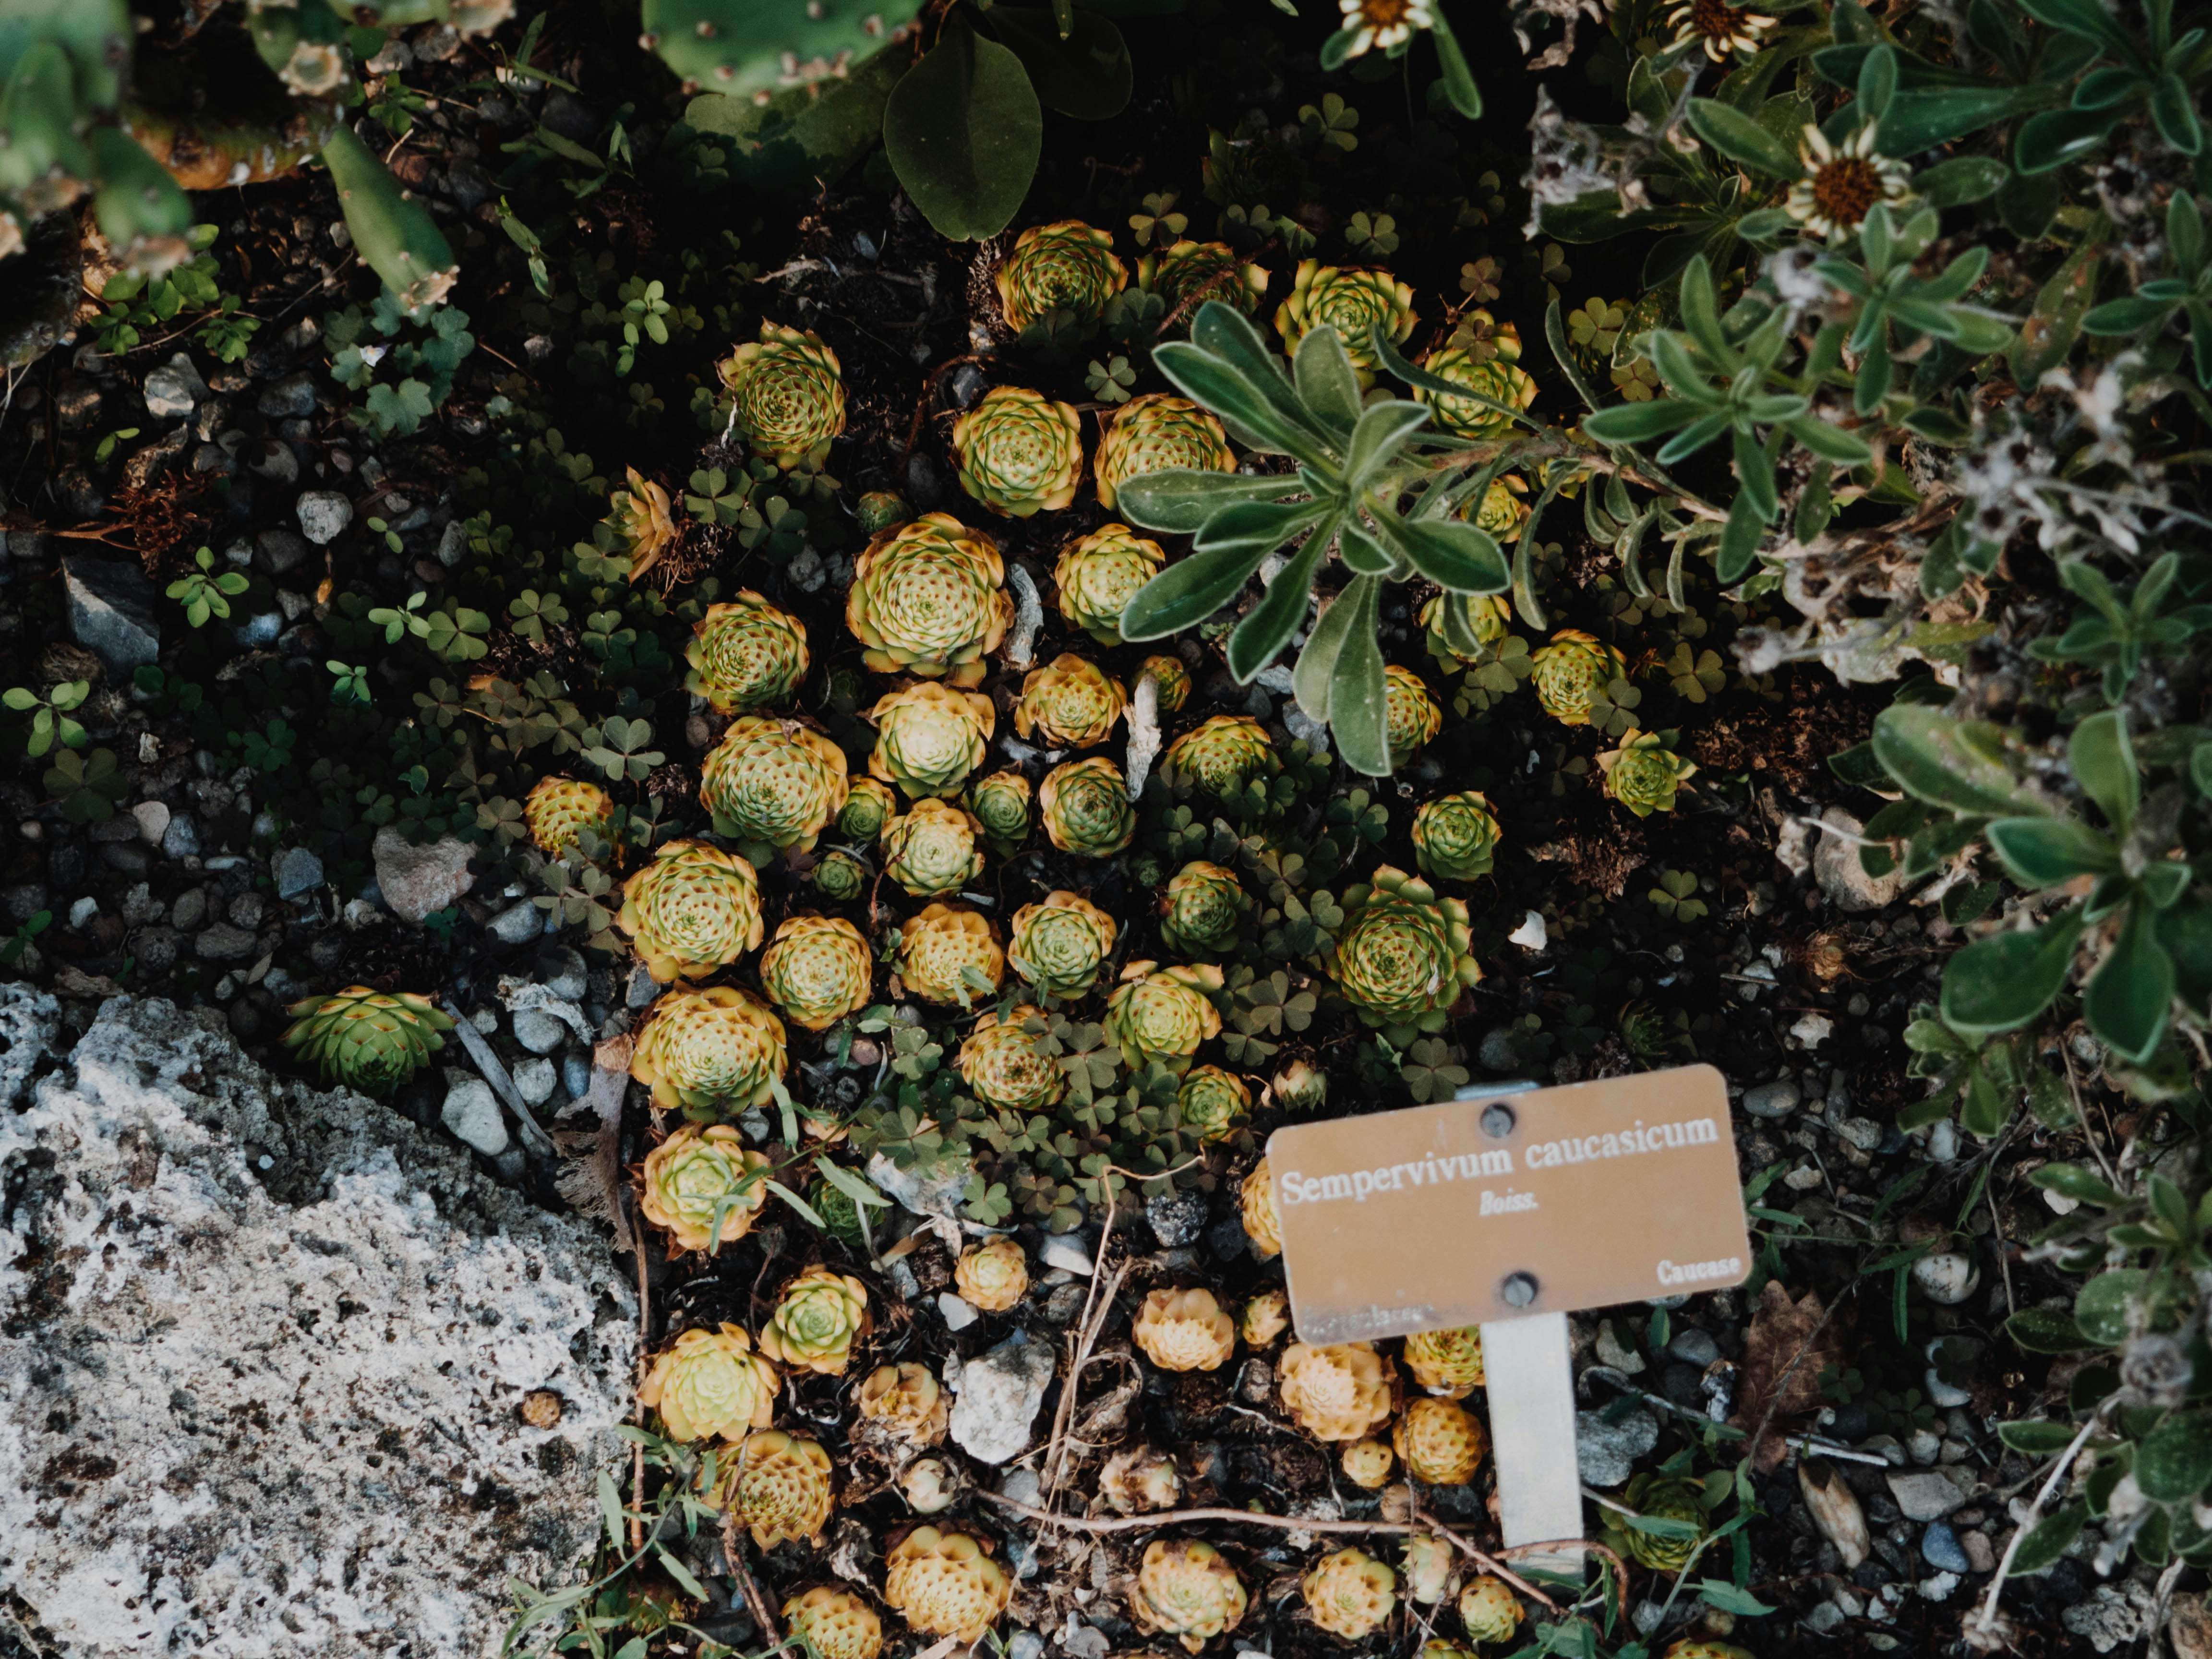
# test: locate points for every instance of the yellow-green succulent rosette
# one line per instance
(1203, 909)
(1572, 671)
(1404, 955)
(558, 810)
(703, 1186)
(1020, 453)
(1485, 618)
(1159, 432)
(712, 1053)
(373, 1041)
(1663, 1497)
(1447, 1363)
(710, 1384)
(1490, 1610)
(1500, 510)
(1189, 273)
(1221, 755)
(1069, 266)
(1500, 379)
(693, 909)
(1069, 704)
(1351, 300)
(928, 598)
(789, 393)
(1099, 574)
(870, 804)
(1170, 680)
(939, 949)
(817, 969)
(746, 654)
(931, 850)
(1644, 772)
(1086, 808)
(774, 781)
(1000, 804)
(839, 877)
(1410, 714)
(1160, 1014)
(1456, 836)
(818, 1318)
(1060, 945)
(929, 739)
(1214, 1103)
(1006, 1062)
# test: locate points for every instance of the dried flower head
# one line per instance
(905, 1402)
(1140, 1480)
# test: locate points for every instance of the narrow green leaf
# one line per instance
(1267, 629)
(1742, 139)
(2129, 1001)
(1179, 500)
(1454, 555)
(2044, 852)
(2104, 764)
(1356, 691)
(1311, 678)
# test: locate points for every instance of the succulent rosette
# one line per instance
(710, 1053)
(1350, 1594)
(1410, 714)
(929, 1486)
(1690, 1647)
(1430, 1569)
(1572, 671)
(1299, 1087)
(1441, 1442)
(693, 909)
(994, 1275)
(373, 1041)
(558, 810)
(1098, 575)
(870, 804)
(929, 739)
(1367, 1463)
(1500, 510)
(836, 1624)
(839, 877)
(1069, 266)
(1447, 1363)
(1221, 756)
(841, 1212)
(1020, 453)
(778, 1484)
(640, 515)
(1203, 909)
(931, 850)
(938, 950)
(1663, 1498)
(1500, 379)
(817, 1319)
(928, 598)
(710, 1384)
(1256, 1208)
(1490, 1610)
(1456, 836)
(775, 781)
(789, 393)
(1187, 1589)
(945, 1583)
(746, 654)
(1060, 945)
(880, 510)
(1001, 804)
(703, 1185)
(904, 1402)
(1351, 300)
(1160, 1014)
(817, 969)
(1170, 676)
(1265, 1317)
(1139, 1480)
(1189, 273)
(1007, 1065)
(1086, 808)
(1213, 1102)
(1159, 432)
(1402, 957)
(1184, 1331)
(1482, 619)
(1643, 774)
(1069, 704)
(1339, 1392)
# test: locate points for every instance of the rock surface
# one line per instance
(264, 1348)
(111, 608)
(416, 880)
(999, 1393)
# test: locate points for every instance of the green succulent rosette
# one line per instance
(840, 877)
(773, 781)
(1069, 266)
(1456, 836)
(928, 598)
(372, 1041)
(1299, 1087)
(1069, 704)
(1489, 1611)
(1410, 714)
(1189, 273)
(1001, 804)
(1060, 945)
(931, 850)
(746, 654)
(703, 1186)
(1403, 956)
(951, 954)
(817, 970)
(1171, 679)
(1159, 432)
(1459, 626)
(1499, 378)
(880, 510)
(1661, 1497)
(789, 393)
(1500, 510)
(1644, 774)
(710, 1054)
(1214, 1103)
(1572, 671)
(1221, 756)
(839, 1210)
(693, 909)
(1086, 808)
(928, 739)
(1020, 453)
(1099, 574)
(1007, 1063)
(558, 810)
(1350, 301)
(818, 1318)
(1203, 909)
(1160, 1014)
(870, 804)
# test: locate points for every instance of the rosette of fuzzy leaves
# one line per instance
(929, 739)
(779, 1486)
(1067, 266)
(1338, 1392)
(1498, 381)
(1169, 679)
(1221, 755)
(870, 804)
(818, 1318)
(928, 598)
(1350, 1594)
(1187, 1589)
(994, 1275)
(1060, 944)
(1086, 808)
(1069, 704)
(1256, 1208)
(558, 810)
(950, 954)
(710, 1384)
(703, 1185)
(1159, 432)
(693, 909)
(788, 391)
(711, 1053)
(1189, 273)
(1644, 772)
(945, 1583)
(1213, 1102)
(1410, 714)
(1202, 910)
(746, 654)
(1099, 574)
(1403, 955)
(1160, 1014)
(837, 1623)
(1299, 1087)
(1572, 671)
(931, 850)
(1447, 1363)
(1352, 301)
(372, 1041)
(1001, 804)
(774, 781)
(1006, 1061)
(1019, 453)
(1265, 1317)
(817, 969)
(1456, 836)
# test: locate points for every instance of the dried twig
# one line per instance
(733, 1547)
(1989, 1614)
(1079, 1346)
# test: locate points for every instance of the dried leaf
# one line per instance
(1782, 1358)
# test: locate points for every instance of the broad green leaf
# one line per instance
(2186, 931)
(1180, 500)
(2100, 1306)
(1228, 333)
(2040, 1331)
(1188, 592)
(2038, 1439)
(1921, 119)
(1383, 430)
(2129, 1001)
(2050, 1538)
(1241, 405)
(962, 132)
(1265, 525)
(2048, 330)
(1459, 81)
(818, 131)
(1636, 423)
(2104, 764)
(1310, 679)
(1326, 380)
(1741, 138)
(2002, 983)
(1948, 762)
(1454, 555)
(2044, 852)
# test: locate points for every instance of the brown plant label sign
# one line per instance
(1473, 1211)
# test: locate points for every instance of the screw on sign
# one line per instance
(1509, 1208)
